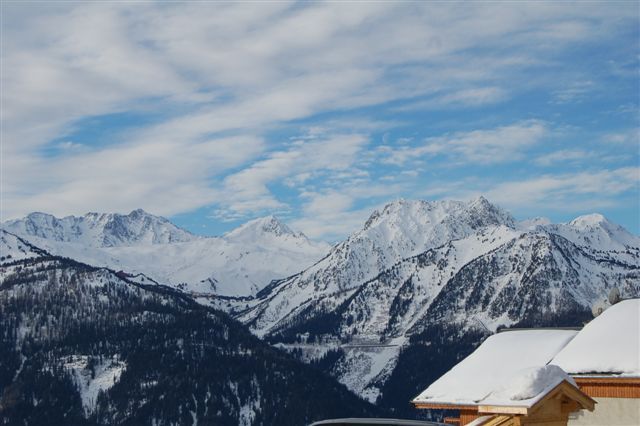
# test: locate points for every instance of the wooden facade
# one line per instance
(610, 387)
(467, 416)
(552, 410)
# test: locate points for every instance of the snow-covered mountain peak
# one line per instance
(595, 231)
(475, 214)
(487, 214)
(590, 221)
(101, 229)
(401, 229)
(257, 229)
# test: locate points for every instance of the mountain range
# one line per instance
(387, 310)
(238, 263)
(419, 266)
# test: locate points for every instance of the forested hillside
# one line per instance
(83, 346)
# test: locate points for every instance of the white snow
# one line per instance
(13, 248)
(495, 363)
(365, 367)
(595, 231)
(237, 264)
(101, 229)
(609, 344)
(533, 223)
(402, 229)
(527, 386)
(106, 375)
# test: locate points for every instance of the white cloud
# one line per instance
(492, 146)
(566, 192)
(475, 96)
(472, 97)
(574, 92)
(334, 226)
(563, 156)
(328, 204)
(70, 146)
(163, 177)
(331, 214)
(206, 70)
(629, 137)
(247, 191)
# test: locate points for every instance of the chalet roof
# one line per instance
(531, 389)
(494, 365)
(552, 406)
(610, 344)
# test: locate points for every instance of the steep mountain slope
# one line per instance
(13, 248)
(494, 274)
(238, 264)
(80, 345)
(403, 228)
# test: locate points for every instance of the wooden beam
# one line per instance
(439, 406)
(503, 409)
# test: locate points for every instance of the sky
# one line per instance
(214, 113)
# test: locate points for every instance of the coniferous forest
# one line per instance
(83, 346)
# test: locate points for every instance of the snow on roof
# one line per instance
(528, 386)
(610, 344)
(497, 363)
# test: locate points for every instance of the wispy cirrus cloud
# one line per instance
(220, 88)
(563, 156)
(166, 177)
(486, 146)
(573, 92)
(471, 97)
(248, 192)
(569, 191)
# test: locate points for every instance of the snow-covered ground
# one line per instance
(91, 381)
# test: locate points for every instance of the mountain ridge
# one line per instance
(101, 229)
(238, 263)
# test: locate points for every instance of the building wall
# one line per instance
(610, 387)
(467, 416)
(609, 412)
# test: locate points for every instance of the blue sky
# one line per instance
(215, 113)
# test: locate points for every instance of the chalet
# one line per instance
(548, 376)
